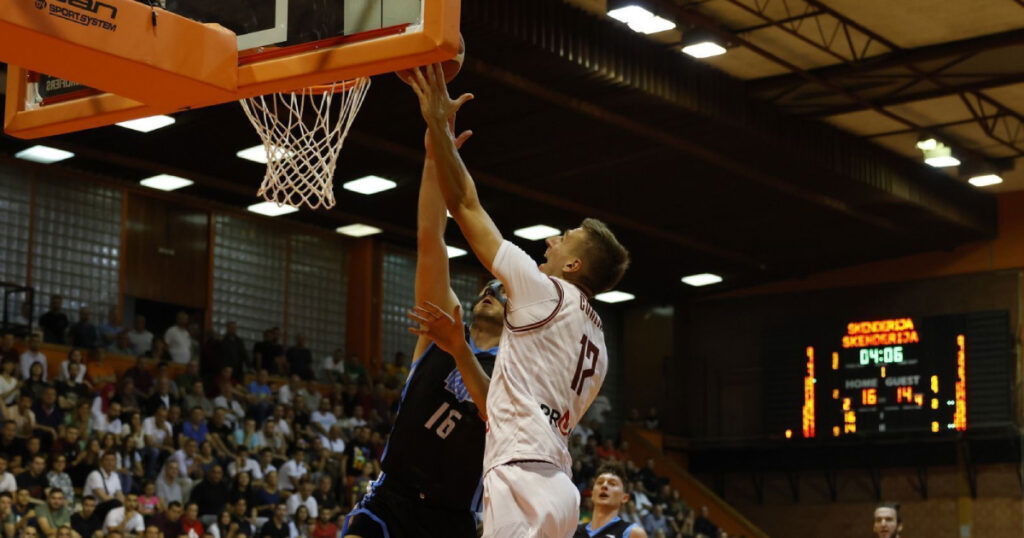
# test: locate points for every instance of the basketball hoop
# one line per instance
(303, 132)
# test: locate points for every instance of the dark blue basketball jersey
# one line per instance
(616, 528)
(436, 446)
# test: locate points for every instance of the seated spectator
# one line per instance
(703, 525)
(334, 366)
(303, 498)
(158, 352)
(260, 396)
(109, 422)
(656, 521)
(172, 485)
(57, 478)
(125, 519)
(639, 496)
(241, 487)
(158, 437)
(195, 427)
(197, 398)
(49, 416)
(266, 497)
(169, 521)
(22, 416)
(72, 392)
(242, 463)
(326, 496)
(247, 436)
(10, 384)
(239, 512)
(323, 419)
(35, 384)
(300, 523)
(86, 522)
(141, 379)
(220, 434)
(103, 483)
(652, 482)
(111, 328)
(290, 475)
(53, 514)
(34, 480)
(190, 522)
(121, 344)
(334, 442)
(8, 484)
(652, 422)
(212, 493)
(187, 458)
(224, 526)
(230, 399)
(324, 527)
(32, 356)
(163, 396)
(74, 357)
(276, 526)
(140, 339)
(7, 518)
(149, 503)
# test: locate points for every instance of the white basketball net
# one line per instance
(303, 134)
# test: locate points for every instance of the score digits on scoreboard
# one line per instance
(890, 375)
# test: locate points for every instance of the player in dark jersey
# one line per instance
(433, 463)
(609, 496)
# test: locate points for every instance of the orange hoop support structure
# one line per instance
(435, 39)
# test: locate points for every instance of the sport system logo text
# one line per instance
(84, 12)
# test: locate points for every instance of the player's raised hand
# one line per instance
(444, 329)
(436, 105)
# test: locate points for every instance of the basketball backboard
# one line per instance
(282, 45)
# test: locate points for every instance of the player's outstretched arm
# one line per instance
(447, 332)
(455, 183)
(433, 282)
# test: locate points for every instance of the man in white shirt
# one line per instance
(125, 518)
(334, 365)
(158, 435)
(290, 474)
(333, 441)
(323, 419)
(110, 422)
(552, 360)
(303, 497)
(31, 356)
(179, 341)
(141, 340)
(188, 466)
(243, 463)
(103, 483)
(7, 482)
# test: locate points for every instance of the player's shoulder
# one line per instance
(636, 531)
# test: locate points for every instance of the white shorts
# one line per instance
(530, 500)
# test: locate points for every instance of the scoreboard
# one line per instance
(885, 375)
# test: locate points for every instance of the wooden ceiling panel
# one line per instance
(865, 122)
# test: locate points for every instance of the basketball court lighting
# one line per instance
(454, 252)
(43, 154)
(166, 182)
(358, 230)
(702, 279)
(927, 144)
(704, 49)
(258, 154)
(614, 296)
(369, 185)
(640, 20)
(985, 180)
(148, 124)
(537, 232)
(272, 209)
(940, 157)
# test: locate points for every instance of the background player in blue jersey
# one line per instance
(432, 465)
(609, 496)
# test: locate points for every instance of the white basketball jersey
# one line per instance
(550, 365)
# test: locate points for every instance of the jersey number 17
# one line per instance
(587, 351)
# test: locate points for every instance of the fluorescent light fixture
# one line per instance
(272, 209)
(166, 182)
(454, 252)
(927, 144)
(703, 279)
(145, 125)
(537, 232)
(358, 230)
(704, 49)
(640, 20)
(258, 154)
(985, 180)
(43, 154)
(369, 185)
(614, 296)
(942, 161)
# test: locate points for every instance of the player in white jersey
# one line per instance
(552, 359)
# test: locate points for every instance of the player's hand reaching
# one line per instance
(436, 105)
(444, 329)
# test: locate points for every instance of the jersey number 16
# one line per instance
(447, 425)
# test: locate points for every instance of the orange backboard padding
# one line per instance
(438, 41)
(114, 45)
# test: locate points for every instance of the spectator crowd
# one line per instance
(220, 439)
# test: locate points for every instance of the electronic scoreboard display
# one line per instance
(887, 375)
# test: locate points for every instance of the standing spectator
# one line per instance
(85, 334)
(169, 521)
(109, 330)
(276, 527)
(212, 493)
(233, 352)
(141, 340)
(53, 514)
(7, 349)
(31, 356)
(179, 340)
(87, 522)
(54, 322)
(300, 358)
(125, 518)
(9, 383)
(264, 352)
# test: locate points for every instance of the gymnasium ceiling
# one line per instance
(792, 153)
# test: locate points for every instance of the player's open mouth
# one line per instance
(487, 301)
